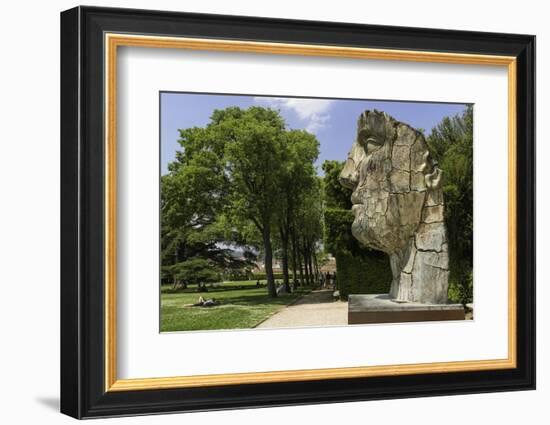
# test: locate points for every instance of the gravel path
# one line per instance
(315, 309)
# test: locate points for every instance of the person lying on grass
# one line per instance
(206, 303)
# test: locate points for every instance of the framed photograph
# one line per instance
(261, 212)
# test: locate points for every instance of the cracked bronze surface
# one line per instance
(398, 205)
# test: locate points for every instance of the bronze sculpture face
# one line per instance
(398, 205)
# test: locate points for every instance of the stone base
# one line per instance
(379, 308)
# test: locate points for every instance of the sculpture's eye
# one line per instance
(368, 141)
(372, 145)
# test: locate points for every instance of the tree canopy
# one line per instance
(243, 181)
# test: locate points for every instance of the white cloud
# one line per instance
(313, 112)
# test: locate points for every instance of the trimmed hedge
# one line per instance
(359, 270)
(338, 235)
(255, 276)
(367, 274)
(263, 276)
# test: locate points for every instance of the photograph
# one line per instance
(293, 212)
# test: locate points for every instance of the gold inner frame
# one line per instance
(113, 41)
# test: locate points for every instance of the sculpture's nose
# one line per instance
(349, 177)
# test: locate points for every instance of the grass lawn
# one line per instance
(243, 305)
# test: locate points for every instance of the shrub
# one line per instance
(238, 275)
(196, 270)
(459, 292)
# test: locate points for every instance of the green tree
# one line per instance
(309, 230)
(191, 198)
(335, 195)
(193, 195)
(297, 181)
(242, 180)
(254, 155)
(451, 144)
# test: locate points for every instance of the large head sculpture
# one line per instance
(398, 205)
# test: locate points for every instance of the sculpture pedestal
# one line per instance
(379, 308)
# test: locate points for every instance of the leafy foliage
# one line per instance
(195, 271)
(336, 196)
(243, 181)
(451, 144)
(254, 155)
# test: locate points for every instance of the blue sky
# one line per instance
(333, 121)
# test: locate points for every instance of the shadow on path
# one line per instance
(317, 308)
(316, 297)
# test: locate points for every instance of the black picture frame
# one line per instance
(83, 392)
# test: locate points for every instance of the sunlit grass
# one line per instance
(242, 305)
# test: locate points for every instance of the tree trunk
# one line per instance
(284, 247)
(293, 259)
(304, 255)
(300, 266)
(175, 281)
(310, 263)
(314, 276)
(316, 264)
(268, 261)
